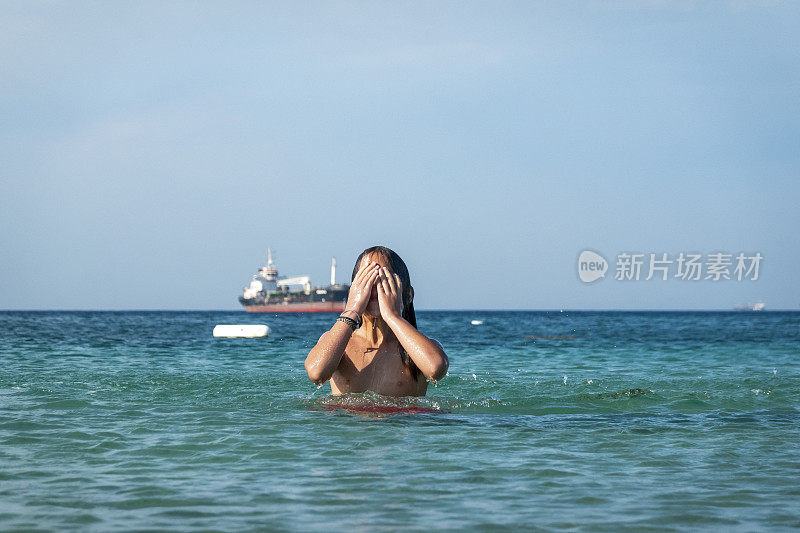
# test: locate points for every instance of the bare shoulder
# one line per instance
(439, 344)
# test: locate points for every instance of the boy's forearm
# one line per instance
(425, 353)
(324, 358)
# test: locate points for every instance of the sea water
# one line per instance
(545, 421)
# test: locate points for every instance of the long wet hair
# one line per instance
(399, 267)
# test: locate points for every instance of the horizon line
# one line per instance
(542, 310)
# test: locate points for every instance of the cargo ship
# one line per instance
(269, 293)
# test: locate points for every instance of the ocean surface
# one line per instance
(580, 421)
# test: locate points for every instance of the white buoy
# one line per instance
(476, 322)
(241, 330)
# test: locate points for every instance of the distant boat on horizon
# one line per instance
(758, 306)
(269, 293)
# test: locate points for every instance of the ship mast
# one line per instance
(333, 271)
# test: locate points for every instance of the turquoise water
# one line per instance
(617, 421)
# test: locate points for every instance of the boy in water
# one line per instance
(374, 344)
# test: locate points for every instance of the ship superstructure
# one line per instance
(269, 293)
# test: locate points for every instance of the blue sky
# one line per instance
(151, 152)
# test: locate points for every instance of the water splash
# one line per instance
(374, 405)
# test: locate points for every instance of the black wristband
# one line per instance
(359, 321)
(349, 321)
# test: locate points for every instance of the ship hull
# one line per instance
(299, 307)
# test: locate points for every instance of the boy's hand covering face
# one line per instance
(362, 286)
(390, 294)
